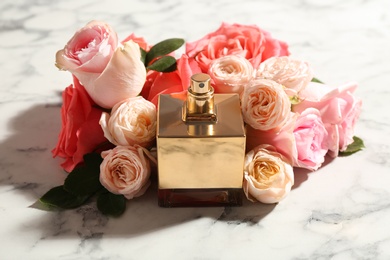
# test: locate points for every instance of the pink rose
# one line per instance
(311, 139)
(89, 50)
(265, 105)
(173, 82)
(125, 170)
(267, 176)
(293, 74)
(302, 140)
(282, 139)
(230, 74)
(108, 73)
(250, 42)
(132, 121)
(339, 110)
(80, 131)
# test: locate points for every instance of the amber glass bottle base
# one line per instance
(199, 197)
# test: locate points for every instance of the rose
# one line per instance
(293, 74)
(173, 82)
(138, 40)
(80, 131)
(125, 170)
(267, 177)
(248, 41)
(109, 74)
(302, 139)
(230, 74)
(282, 139)
(311, 139)
(339, 110)
(123, 77)
(89, 50)
(132, 121)
(265, 105)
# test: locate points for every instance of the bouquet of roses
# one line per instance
(109, 112)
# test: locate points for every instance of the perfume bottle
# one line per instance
(200, 147)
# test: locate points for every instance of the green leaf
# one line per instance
(59, 198)
(163, 48)
(84, 179)
(111, 204)
(354, 147)
(164, 64)
(143, 55)
(317, 80)
(93, 161)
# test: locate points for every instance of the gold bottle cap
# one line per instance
(200, 83)
(200, 100)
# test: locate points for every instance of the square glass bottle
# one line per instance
(200, 147)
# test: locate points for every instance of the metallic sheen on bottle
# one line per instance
(200, 147)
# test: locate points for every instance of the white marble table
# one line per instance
(342, 211)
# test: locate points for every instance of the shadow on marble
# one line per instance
(29, 170)
(142, 217)
(27, 166)
(301, 175)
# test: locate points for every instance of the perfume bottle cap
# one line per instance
(200, 83)
(200, 100)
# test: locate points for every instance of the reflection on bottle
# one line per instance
(200, 129)
(200, 147)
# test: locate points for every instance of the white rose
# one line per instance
(267, 177)
(230, 74)
(125, 170)
(132, 121)
(293, 74)
(265, 105)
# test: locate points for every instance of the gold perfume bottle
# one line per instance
(200, 147)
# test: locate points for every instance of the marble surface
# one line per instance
(342, 211)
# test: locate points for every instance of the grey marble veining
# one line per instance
(339, 212)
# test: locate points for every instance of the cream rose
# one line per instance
(265, 105)
(132, 121)
(293, 74)
(125, 170)
(267, 177)
(230, 74)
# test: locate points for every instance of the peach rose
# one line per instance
(132, 121)
(125, 170)
(265, 105)
(230, 74)
(108, 73)
(267, 177)
(80, 131)
(293, 74)
(339, 110)
(248, 41)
